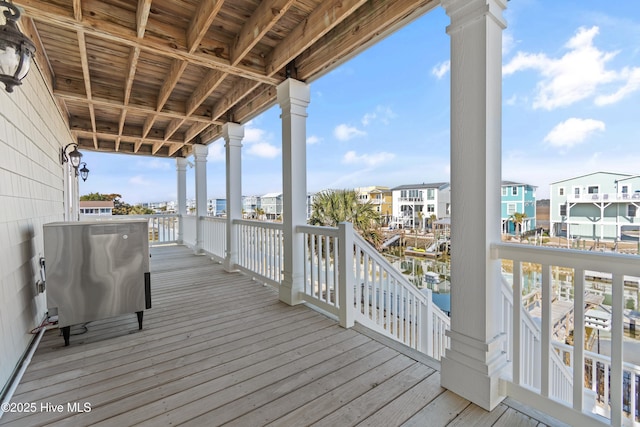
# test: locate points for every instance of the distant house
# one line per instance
(96, 208)
(380, 197)
(414, 204)
(518, 198)
(600, 205)
(216, 207)
(271, 203)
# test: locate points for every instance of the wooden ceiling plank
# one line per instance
(193, 131)
(261, 21)
(123, 117)
(211, 133)
(231, 98)
(174, 148)
(206, 13)
(173, 126)
(51, 14)
(68, 96)
(255, 106)
(175, 72)
(136, 145)
(85, 63)
(372, 23)
(212, 80)
(77, 10)
(326, 16)
(117, 145)
(142, 16)
(132, 64)
(157, 146)
(148, 124)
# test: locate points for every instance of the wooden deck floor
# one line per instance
(219, 349)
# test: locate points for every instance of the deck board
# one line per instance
(218, 348)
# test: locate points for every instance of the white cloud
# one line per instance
(216, 152)
(507, 42)
(632, 76)
(573, 131)
(441, 69)
(382, 114)
(263, 149)
(313, 139)
(351, 157)
(575, 76)
(345, 132)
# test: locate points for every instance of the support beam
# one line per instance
(200, 156)
(233, 134)
(293, 97)
(475, 360)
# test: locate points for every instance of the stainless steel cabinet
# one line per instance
(96, 270)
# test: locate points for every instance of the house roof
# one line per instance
(438, 185)
(512, 183)
(271, 195)
(154, 77)
(96, 204)
(618, 175)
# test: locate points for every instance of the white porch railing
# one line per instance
(381, 297)
(550, 395)
(163, 228)
(190, 230)
(260, 250)
(214, 236)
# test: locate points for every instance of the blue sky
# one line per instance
(571, 106)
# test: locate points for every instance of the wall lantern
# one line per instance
(84, 172)
(16, 50)
(74, 157)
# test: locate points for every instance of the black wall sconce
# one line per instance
(16, 50)
(74, 157)
(84, 171)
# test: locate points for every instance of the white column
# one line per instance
(200, 156)
(181, 179)
(475, 360)
(233, 134)
(293, 97)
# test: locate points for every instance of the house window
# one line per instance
(514, 191)
(561, 191)
(505, 191)
(576, 191)
(431, 208)
(631, 210)
(563, 210)
(592, 189)
(625, 189)
(430, 194)
(511, 208)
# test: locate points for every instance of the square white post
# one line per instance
(181, 179)
(233, 134)
(293, 97)
(200, 156)
(474, 362)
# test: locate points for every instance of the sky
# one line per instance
(571, 106)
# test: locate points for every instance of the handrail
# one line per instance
(552, 377)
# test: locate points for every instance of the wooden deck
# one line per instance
(218, 348)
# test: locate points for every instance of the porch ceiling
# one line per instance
(154, 77)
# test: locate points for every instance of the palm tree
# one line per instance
(332, 207)
(518, 218)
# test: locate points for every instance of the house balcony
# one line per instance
(220, 348)
(604, 198)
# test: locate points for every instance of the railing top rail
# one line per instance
(595, 261)
(261, 224)
(392, 271)
(597, 357)
(213, 219)
(317, 229)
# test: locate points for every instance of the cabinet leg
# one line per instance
(139, 313)
(66, 332)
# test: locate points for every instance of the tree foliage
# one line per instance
(119, 206)
(332, 207)
(518, 218)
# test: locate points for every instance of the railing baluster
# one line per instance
(617, 328)
(546, 331)
(578, 339)
(517, 318)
